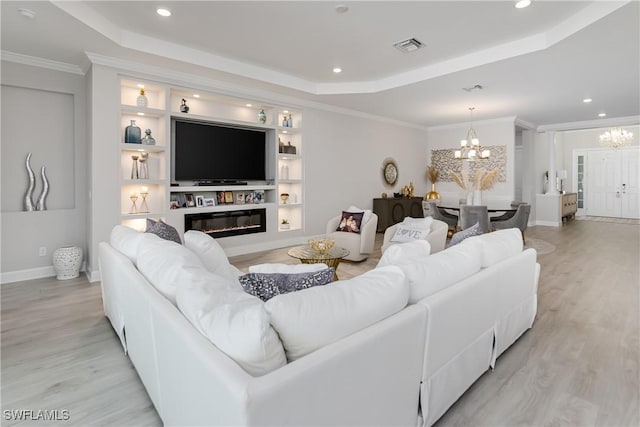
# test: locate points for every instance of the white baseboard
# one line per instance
(549, 223)
(29, 274)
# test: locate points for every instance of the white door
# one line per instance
(613, 183)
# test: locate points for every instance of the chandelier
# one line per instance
(616, 137)
(470, 148)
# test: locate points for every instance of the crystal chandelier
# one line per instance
(616, 137)
(470, 148)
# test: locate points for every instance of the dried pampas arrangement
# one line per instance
(461, 179)
(432, 174)
(484, 180)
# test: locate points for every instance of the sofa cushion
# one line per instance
(267, 285)
(286, 268)
(211, 254)
(498, 245)
(350, 222)
(474, 230)
(411, 252)
(126, 240)
(163, 230)
(231, 319)
(162, 261)
(312, 318)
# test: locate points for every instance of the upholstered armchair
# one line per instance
(360, 245)
(437, 236)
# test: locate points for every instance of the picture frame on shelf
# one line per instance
(191, 202)
(174, 204)
(258, 197)
(209, 202)
(248, 198)
(182, 200)
(228, 197)
(239, 198)
(200, 201)
(220, 197)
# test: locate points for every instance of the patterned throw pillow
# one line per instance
(474, 230)
(350, 222)
(408, 234)
(267, 285)
(163, 230)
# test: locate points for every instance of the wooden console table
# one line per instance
(393, 210)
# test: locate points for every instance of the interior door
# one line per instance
(603, 183)
(630, 183)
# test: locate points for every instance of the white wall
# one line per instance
(490, 132)
(43, 112)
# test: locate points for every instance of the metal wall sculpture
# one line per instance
(444, 161)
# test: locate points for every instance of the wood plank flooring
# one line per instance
(578, 366)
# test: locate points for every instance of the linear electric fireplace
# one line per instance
(229, 223)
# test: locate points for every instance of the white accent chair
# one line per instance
(437, 236)
(359, 245)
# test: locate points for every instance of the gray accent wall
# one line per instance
(43, 112)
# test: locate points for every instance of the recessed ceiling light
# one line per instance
(284, 131)
(27, 13)
(521, 4)
(163, 12)
(285, 111)
(141, 114)
(602, 115)
(341, 8)
(195, 95)
(248, 105)
(587, 100)
(337, 70)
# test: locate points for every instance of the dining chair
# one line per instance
(471, 214)
(518, 220)
(431, 209)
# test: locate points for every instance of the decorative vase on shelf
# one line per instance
(433, 194)
(184, 108)
(290, 121)
(144, 167)
(134, 167)
(284, 172)
(262, 117)
(132, 134)
(477, 197)
(142, 100)
(67, 261)
(147, 139)
(469, 197)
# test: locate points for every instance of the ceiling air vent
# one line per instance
(408, 45)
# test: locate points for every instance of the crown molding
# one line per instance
(591, 124)
(180, 78)
(525, 45)
(42, 62)
(524, 124)
(488, 122)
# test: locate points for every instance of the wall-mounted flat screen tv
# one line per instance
(218, 153)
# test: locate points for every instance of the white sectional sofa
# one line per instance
(466, 305)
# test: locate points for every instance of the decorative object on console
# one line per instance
(262, 117)
(163, 230)
(616, 137)
(142, 100)
(134, 208)
(134, 167)
(132, 134)
(389, 171)
(67, 261)
(147, 139)
(144, 166)
(407, 190)
(432, 176)
(351, 222)
(321, 246)
(267, 285)
(470, 146)
(284, 197)
(184, 108)
(42, 200)
(28, 196)
(144, 192)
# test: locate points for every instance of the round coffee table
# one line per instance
(332, 257)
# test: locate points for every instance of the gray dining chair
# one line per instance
(472, 214)
(518, 220)
(431, 209)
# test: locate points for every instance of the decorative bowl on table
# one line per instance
(321, 246)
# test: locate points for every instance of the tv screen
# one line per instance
(213, 152)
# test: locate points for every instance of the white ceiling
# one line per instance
(536, 63)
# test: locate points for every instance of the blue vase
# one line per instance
(132, 134)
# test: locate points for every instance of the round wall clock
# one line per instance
(390, 171)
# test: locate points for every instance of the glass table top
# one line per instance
(305, 252)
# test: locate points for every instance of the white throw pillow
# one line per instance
(367, 213)
(441, 270)
(498, 246)
(424, 223)
(232, 320)
(162, 261)
(287, 268)
(126, 240)
(211, 254)
(407, 234)
(309, 319)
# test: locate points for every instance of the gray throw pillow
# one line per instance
(163, 230)
(474, 230)
(267, 285)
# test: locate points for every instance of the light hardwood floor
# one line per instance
(577, 366)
